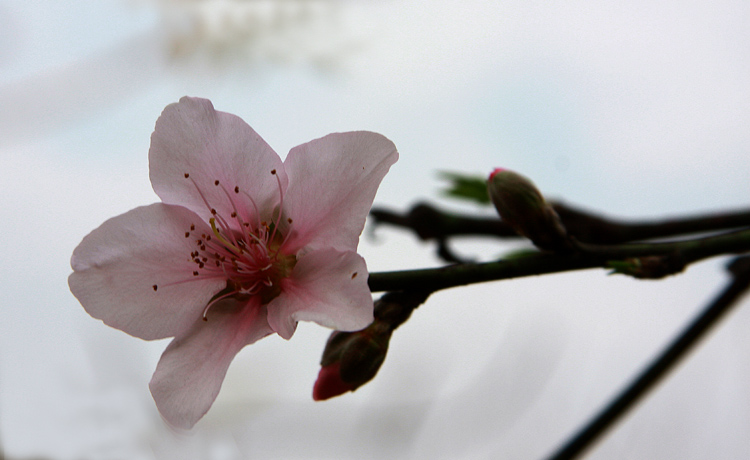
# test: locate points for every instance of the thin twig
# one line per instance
(431, 223)
(661, 366)
(434, 279)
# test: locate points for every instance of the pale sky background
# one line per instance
(634, 109)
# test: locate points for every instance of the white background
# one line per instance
(636, 110)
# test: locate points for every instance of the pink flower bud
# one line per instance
(350, 360)
(523, 207)
(329, 383)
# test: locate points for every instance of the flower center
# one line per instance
(247, 255)
(250, 259)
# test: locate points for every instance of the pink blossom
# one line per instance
(242, 245)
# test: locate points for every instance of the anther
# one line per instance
(289, 220)
(234, 214)
(196, 273)
(155, 287)
(187, 175)
(273, 171)
(192, 227)
(213, 211)
(187, 234)
(236, 189)
(354, 275)
(216, 182)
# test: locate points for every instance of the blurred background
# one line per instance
(635, 110)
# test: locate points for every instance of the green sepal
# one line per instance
(465, 187)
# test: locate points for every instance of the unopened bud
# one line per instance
(350, 360)
(329, 383)
(523, 207)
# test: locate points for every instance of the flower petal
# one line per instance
(328, 287)
(332, 183)
(191, 370)
(192, 138)
(117, 266)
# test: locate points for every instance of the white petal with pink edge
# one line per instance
(135, 273)
(332, 184)
(191, 370)
(328, 287)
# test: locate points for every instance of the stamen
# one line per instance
(214, 301)
(255, 206)
(231, 246)
(281, 204)
(242, 250)
(287, 235)
(235, 212)
(155, 287)
(203, 197)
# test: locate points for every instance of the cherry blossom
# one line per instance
(242, 245)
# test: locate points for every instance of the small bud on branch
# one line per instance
(351, 359)
(522, 206)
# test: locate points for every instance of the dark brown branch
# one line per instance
(430, 223)
(589, 256)
(660, 367)
(589, 228)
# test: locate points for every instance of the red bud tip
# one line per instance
(329, 383)
(495, 171)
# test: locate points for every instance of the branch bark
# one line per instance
(588, 256)
(431, 223)
(660, 367)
